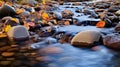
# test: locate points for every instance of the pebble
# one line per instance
(8, 54)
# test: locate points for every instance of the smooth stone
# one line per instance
(66, 59)
(51, 50)
(52, 65)
(10, 59)
(16, 63)
(5, 48)
(117, 12)
(2, 44)
(4, 63)
(23, 51)
(13, 46)
(2, 58)
(44, 58)
(112, 41)
(113, 8)
(8, 54)
(117, 27)
(13, 50)
(86, 38)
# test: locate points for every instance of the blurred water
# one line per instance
(70, 56)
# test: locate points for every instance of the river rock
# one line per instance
(13, 49)
(52, 65)
(2, 44)
(5, 48)
(15, 34)
(66, 59)
(10, 59)
(117, 12)
(8, 54)
(16, 63)
(113, 8)
(86, 38)
(117, 28)
(45, 58)
(112, 41)
(5, 63)
(51, 50)
(67, 14)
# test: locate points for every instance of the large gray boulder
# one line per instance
(86, 38)
(18, 33)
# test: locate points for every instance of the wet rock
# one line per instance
(15, 33)
(52, 65)
(8, 54)
(2, 44)
(45, 58)
(108, 22)
(117, 12)
(66, 59)
(23, 50)
(103, 15)
(16, 63)
(117, 27)
(51, 50)
(14, 46)
(112, 41)
(5, 48)
(66, 23)
(21, 57)
(86, 38)
(67, 14)
(5, 63)
(2, 58)
(10, 59)
(113, 8)
(13, 50)
(57, 15)
(99, 10)
(102, 5)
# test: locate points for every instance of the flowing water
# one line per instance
(65, 55)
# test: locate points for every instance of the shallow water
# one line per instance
(65, 55)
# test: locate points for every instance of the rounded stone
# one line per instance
(10, 59)
(117, 27)
(112, 41)
(2, 44)
(44, 58)
(16, 63)
(13, 46)
(51, 50)
(4, 63)
(13, 49)
(5, 48)
(8, 54)
(86, 38)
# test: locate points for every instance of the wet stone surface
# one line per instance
(45, 51)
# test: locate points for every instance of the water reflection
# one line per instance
(69, 56)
